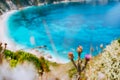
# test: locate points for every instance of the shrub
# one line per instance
(21, 56)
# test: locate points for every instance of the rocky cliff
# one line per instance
(6, 5)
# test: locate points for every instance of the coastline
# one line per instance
(4, 38)
(104, 66)
(3, 30)
(13, 46)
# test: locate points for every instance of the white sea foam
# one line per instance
(3, 30)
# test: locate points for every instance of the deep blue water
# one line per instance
(63, 27)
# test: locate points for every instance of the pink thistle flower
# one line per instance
(88, 57)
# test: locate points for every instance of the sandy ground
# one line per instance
(3, 30)
(4, 36)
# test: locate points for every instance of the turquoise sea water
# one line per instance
(63, 27)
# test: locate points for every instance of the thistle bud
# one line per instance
(79, 50)
(88, 57)
(70, 55)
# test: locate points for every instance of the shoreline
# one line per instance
(3, 29)
(13, 46)
(4, 38)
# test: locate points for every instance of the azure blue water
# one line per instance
(63, 27)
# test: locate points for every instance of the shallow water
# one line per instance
(62, 27)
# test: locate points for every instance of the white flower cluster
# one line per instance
(105, 66)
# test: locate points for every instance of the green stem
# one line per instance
(84, 65)
(74, 63)
(79, 65)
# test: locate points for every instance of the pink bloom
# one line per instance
(88, 57)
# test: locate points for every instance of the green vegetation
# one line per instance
(72, 72)
(104, 66)
(119, 40)
(53, 63)
(20, 57)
